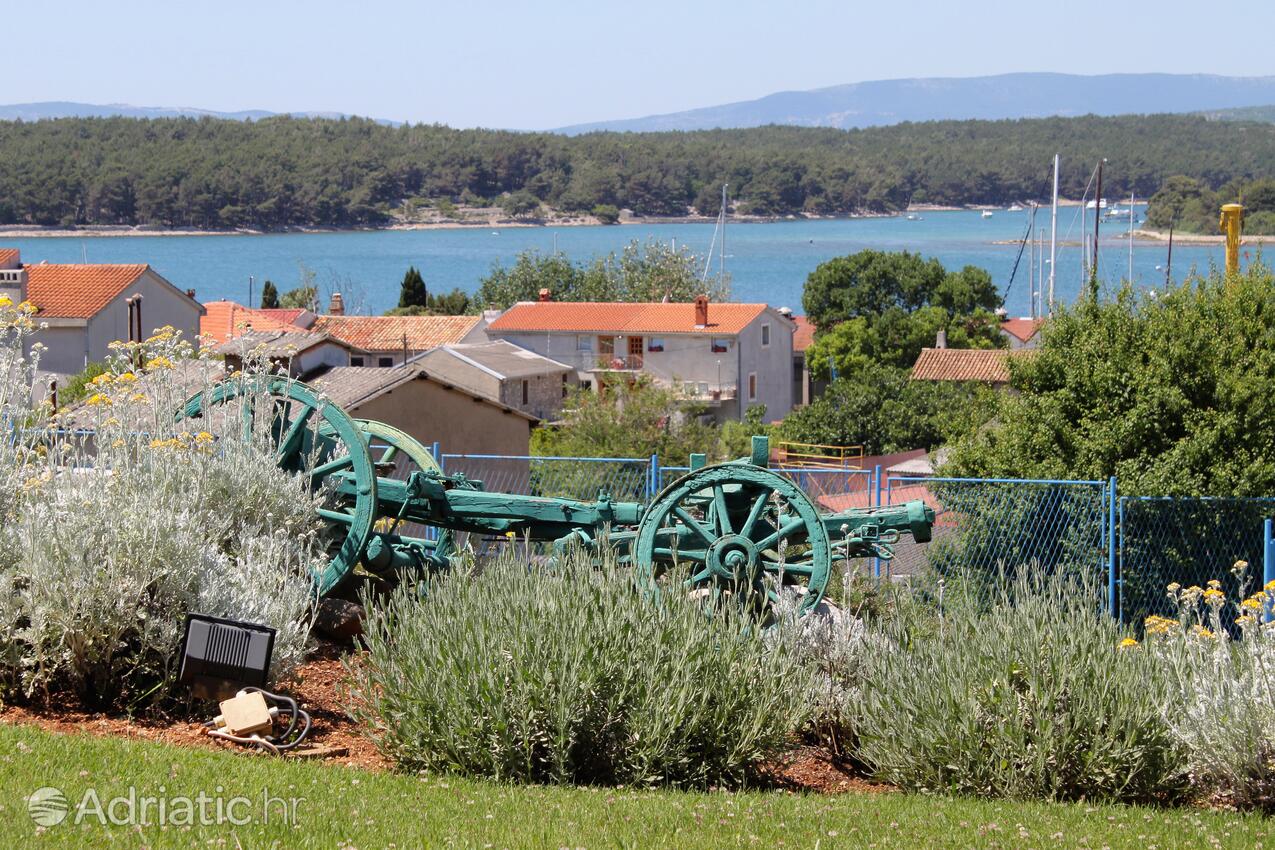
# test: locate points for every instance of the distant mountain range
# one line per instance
(70, 109)
(1026, 95)
(867, 104)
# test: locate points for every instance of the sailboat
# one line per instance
(987, 213)
(1015, 208)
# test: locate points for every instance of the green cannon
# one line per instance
(734, 527)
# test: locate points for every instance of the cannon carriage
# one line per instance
(736, 528)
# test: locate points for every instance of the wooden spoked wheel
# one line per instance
(397, 454)
(314, 438)
(742, 532)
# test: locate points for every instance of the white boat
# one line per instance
(987, 213)
(1015, 208)
(914, 217)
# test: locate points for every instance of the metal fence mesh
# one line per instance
(1185, 540)
(985, 528)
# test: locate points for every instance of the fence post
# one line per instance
(1113, 577)
(653, 477)
(876, 475)
(437, 452)
(1268, 568)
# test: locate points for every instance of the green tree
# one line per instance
(520, 204)
(650, 272)
(606, 213)
(884, 411)
(412, 292)
(303, 297)
(881, 307)
(1173, 394)
(269, 296)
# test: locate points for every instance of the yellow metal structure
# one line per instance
(819, 456)
(1232, 224)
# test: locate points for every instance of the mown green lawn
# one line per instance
(339, 807)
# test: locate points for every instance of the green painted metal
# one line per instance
(743, 531)
(739, 529)
(314, 437)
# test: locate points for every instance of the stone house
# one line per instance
(501, 370)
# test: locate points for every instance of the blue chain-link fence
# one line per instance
(624, 479)
(1133, 546)
(985, 528)
(1186, 540)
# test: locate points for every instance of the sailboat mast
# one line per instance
(1031, 263)
(1131, 197)
(721, 262)
(1053, 237)
(1097, 221)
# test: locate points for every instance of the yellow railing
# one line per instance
(819, 456)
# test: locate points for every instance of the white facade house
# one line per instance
(85, 307)
(732, 357)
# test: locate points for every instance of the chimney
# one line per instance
(701, 311)
(13, 278)
(336, 306)
(941, 340)
(190, 293)
(544, 295)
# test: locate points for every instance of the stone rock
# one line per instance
(339, 618)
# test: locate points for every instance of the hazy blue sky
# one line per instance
(540, 65)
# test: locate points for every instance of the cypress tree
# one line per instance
(269, 296)
(413, 292)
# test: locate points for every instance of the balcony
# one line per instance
(617, 363)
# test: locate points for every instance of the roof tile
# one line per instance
(1022, 329)
(386, 333)
(963, 364)
(77, 290)
(225, 320)
(804, 335)
(621, 318)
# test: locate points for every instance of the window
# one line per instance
(720, 345)
(526, 386)
(384, 361)
(752, 386)
(584, 343)
(655, 343)
(356, 361)
(606, 346)
(765, 335)
(566, 387)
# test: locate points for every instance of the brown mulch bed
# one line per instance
(316, 685)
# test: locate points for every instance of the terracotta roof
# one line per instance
(624, 318)
(864, 499)
(385, 333)
(10, 258)
(962, 364)
(274, 343)
(804, 335)
(225, 320)
(283, 314)
(77, 290)
(1022, 329)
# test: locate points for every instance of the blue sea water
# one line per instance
(766, 261)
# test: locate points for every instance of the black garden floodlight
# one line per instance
(220, 656)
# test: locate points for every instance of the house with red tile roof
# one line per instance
(84, 307)
(990, 366)
(390, 340)
(805, 388)
(226, 320)
(1022, 332)
(731, 356)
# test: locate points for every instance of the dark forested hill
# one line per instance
(286, 171)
